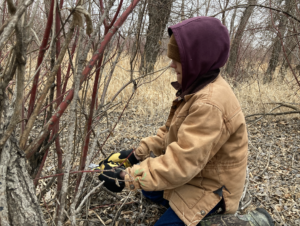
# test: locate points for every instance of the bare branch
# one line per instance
(13, 21)
(258, 5)
(43, 95)
(87, 196)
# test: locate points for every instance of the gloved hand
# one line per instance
(120, 157)
(112, 182)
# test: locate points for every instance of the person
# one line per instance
(199, 168)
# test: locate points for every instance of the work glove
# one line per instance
(111, 178)
(120, 157)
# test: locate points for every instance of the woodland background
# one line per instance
(82, 79)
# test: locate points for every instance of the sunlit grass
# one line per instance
(156, 97)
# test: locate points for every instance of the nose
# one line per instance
(173, 65)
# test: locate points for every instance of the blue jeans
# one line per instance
(170, 217)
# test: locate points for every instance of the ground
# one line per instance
(274, 171)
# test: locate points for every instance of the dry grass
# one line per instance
(256, 97)
(157, 96)
(150, 97)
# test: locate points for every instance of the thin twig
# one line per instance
(257, 5)
(116, 204)
(118, 212)
(262, 172)
(98, 217)
(279, 113)
(88, 195)
(140, 210)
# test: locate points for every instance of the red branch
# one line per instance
(84, 152)
(91, 63)
(73, 172)
(40, 59)
(41, 167)
(116, 14)
(65, 103)
(59, 97)
(86, 171)
(69, 67)
(58, 94)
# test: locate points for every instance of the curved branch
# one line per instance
(116, 15)
(31, 149)
(13, 21)
(257, 5)
(279, 113)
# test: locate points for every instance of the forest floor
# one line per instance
(273, 162)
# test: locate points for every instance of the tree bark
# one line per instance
(276, 50)
(18, 202)
(290, 48)
(234, 51)
(232, 24)
(13, 21)
(182, 10)
(159, 12)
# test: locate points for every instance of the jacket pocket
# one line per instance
(180, 118)
(190, 194)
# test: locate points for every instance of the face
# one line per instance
(178, 69)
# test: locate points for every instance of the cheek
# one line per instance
(173, 65)
(180, 69)
(179, 78)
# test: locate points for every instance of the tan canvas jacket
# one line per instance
(201, 148)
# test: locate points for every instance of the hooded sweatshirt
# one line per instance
(204, 45)
(201, 151)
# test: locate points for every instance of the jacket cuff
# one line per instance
(142, 151)
(130, 182)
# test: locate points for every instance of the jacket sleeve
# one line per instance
(156, 144)
(184, 159)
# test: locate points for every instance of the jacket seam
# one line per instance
(210, 90)
(213, 105)
(232, 165)
(182, 214)
(219, 175)
(145, 150)
(208, 103)
(218, 172)
(235, 113)
(167, 183)
(212, 148)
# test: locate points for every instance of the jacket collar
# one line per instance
(199, 84)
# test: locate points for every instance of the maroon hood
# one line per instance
(204, 45)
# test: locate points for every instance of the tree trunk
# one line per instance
(207, 7)
(224, 12)
(18, 202)
(234, 51)
(231, 33)
(277, 45)
(182, 10)
(159, 12)
(290, 46)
